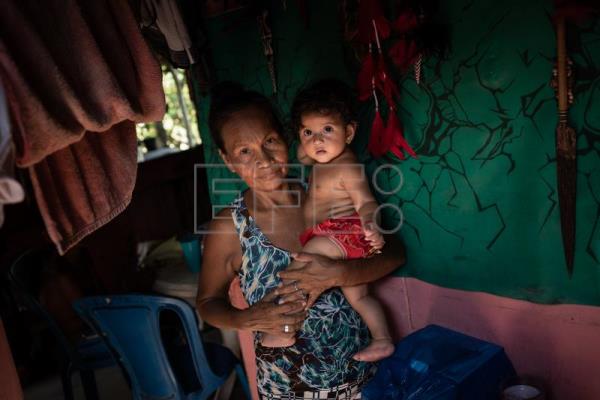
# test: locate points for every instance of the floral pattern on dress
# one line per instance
(332, 333)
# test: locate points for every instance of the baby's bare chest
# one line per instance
(327, 197)
(326, 185)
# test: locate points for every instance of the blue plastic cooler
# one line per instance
(436, 363)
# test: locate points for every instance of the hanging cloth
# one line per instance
(78, 76)
(165, 16)
(11, 190)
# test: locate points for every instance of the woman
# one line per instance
(255, 240)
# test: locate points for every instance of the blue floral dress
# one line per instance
(332, 333)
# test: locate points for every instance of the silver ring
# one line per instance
(286, 328)
(296, 286)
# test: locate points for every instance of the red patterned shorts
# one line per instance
(346, 232)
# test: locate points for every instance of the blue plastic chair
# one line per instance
(88, 354)
(131, 326)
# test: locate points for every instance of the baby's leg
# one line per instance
(317, 245)
(371, 312)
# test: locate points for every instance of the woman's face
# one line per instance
(254, 150)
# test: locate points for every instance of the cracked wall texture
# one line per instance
(479, 207)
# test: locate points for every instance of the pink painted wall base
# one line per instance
(557, 344)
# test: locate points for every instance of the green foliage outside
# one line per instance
(179, 128)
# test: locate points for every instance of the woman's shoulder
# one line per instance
(222, 222)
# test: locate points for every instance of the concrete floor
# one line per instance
(110, 381)
(111, 386)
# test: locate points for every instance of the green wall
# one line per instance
(479, 206)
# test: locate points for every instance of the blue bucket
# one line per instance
(191, 252)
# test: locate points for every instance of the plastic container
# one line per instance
(435, 363)
(522, 392)
(190, 245)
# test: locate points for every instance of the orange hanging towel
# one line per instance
(78, 75)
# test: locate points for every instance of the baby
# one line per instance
(340, 209)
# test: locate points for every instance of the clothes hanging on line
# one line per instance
(165, 16)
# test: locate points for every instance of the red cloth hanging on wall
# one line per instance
(73, 69)
(374, 77)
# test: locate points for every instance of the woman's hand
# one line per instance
(312, 275)
(274, 312)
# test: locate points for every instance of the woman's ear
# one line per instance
(350, 131)
(226, 161)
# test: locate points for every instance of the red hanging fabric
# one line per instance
(370, 13)
(375, 146)
(372, 28)
(404, 53)
(365, 76)
(391, 129)
(399, 143)
(385, 84)
(406, 22)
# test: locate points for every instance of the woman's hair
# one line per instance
(327, 96)
(229, 98)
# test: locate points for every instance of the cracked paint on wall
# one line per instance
(480, 206)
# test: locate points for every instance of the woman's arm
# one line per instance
(220, 260)
(321, 273)
(220, 255)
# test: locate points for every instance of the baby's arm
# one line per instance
(356, 185)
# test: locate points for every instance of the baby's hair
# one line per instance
(229, 98)
(326, 96)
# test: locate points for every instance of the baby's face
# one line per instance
(324, 136)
